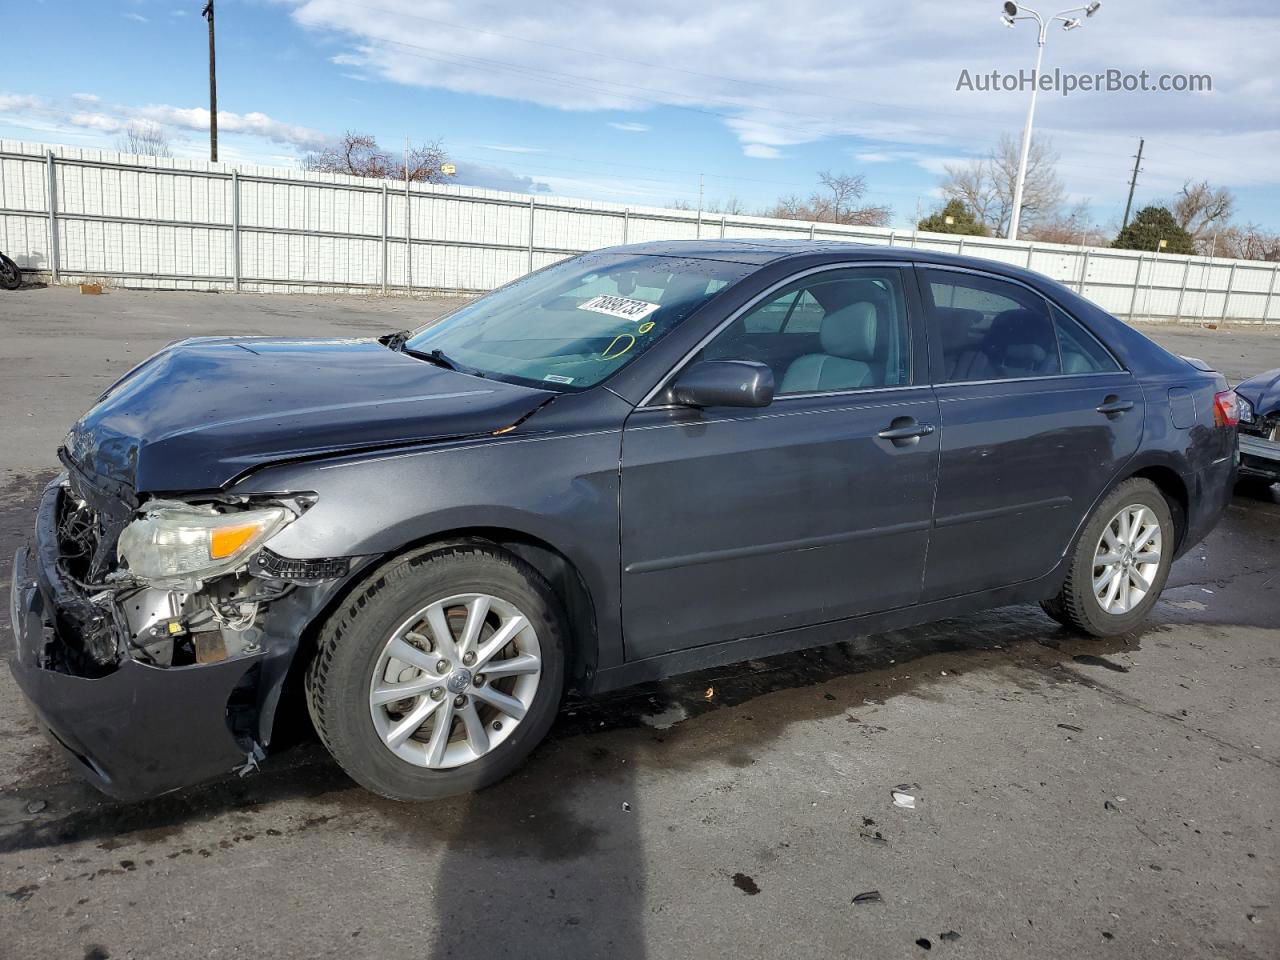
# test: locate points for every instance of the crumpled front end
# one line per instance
(1260, 437)
(152, 686)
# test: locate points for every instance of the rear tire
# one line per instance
(451, 612)
(1120, 562)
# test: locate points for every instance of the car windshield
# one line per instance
(574, 324)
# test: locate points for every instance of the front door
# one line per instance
(1036, 417)
(742, 522)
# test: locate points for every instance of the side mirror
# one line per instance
(724, 383)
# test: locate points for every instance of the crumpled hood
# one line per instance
(1262, 392)
(201, 412)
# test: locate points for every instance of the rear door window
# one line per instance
(990, 329)
(1081, 352)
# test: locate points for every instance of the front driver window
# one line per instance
(832, 331)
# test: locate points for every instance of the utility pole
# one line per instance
(1133, 182)
(207, 13)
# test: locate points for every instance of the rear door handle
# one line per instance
(1114, 405)
(908, 431)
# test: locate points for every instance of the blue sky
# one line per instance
(615, 101)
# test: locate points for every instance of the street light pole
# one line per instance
(1012, 13)
(1020, 183)
(207, 13)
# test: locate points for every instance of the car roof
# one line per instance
(766, 250)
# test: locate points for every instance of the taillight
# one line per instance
(1226, 409)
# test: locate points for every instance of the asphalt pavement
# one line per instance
(1072, 798)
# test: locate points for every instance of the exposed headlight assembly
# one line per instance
(1246, 409)
(175, 543)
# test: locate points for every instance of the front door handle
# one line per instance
(1114, 405)
(905, 430)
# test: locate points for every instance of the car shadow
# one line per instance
(657, 723)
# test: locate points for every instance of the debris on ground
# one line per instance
(904, 795)
(709, 693)
(871, 896)
(873, 837)
(950, 935)
(626, 807)
(924, 944)
(1072, 727)
(1113, 804)
(746, 884)
(36, 806)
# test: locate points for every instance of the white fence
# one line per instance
(71, 214)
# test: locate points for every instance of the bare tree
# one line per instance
(838, 204)
(1248, 242)
(1076, 227)
(145, 139)
(731, 206)
(1202, 210)
(358, 155)
(986, 185)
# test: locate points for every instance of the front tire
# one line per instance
(1120, 564)
(10, 274)
(441, 672)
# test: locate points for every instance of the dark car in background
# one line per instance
(634, 463)
(1259, 402)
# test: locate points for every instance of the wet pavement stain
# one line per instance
(746, 884)
(1017, 643)
(1096, 661)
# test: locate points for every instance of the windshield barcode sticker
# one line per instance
(556, 378)
(619, 307)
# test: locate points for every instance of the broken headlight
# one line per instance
(174, 542)
(1245, 409)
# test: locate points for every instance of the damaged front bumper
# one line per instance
(1260, 456)
(133, 728)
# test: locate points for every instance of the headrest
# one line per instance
(850, 332)
(1020, 326)
(955, 325)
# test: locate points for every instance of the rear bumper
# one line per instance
(138, 730)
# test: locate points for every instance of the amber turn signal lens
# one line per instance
(225, 541)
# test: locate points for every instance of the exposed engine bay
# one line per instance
(183, 618)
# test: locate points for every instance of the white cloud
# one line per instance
(824, 71)
(49, 116)
(630, 127)
(97, 121)
(255, 124)
(135, 16)
(491, 177)
(761, 151)
(20, 103)
(508, 148)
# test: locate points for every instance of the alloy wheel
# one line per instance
(455, 680)
(1127, 559)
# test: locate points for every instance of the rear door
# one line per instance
(1037, 418)
(741, 522)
